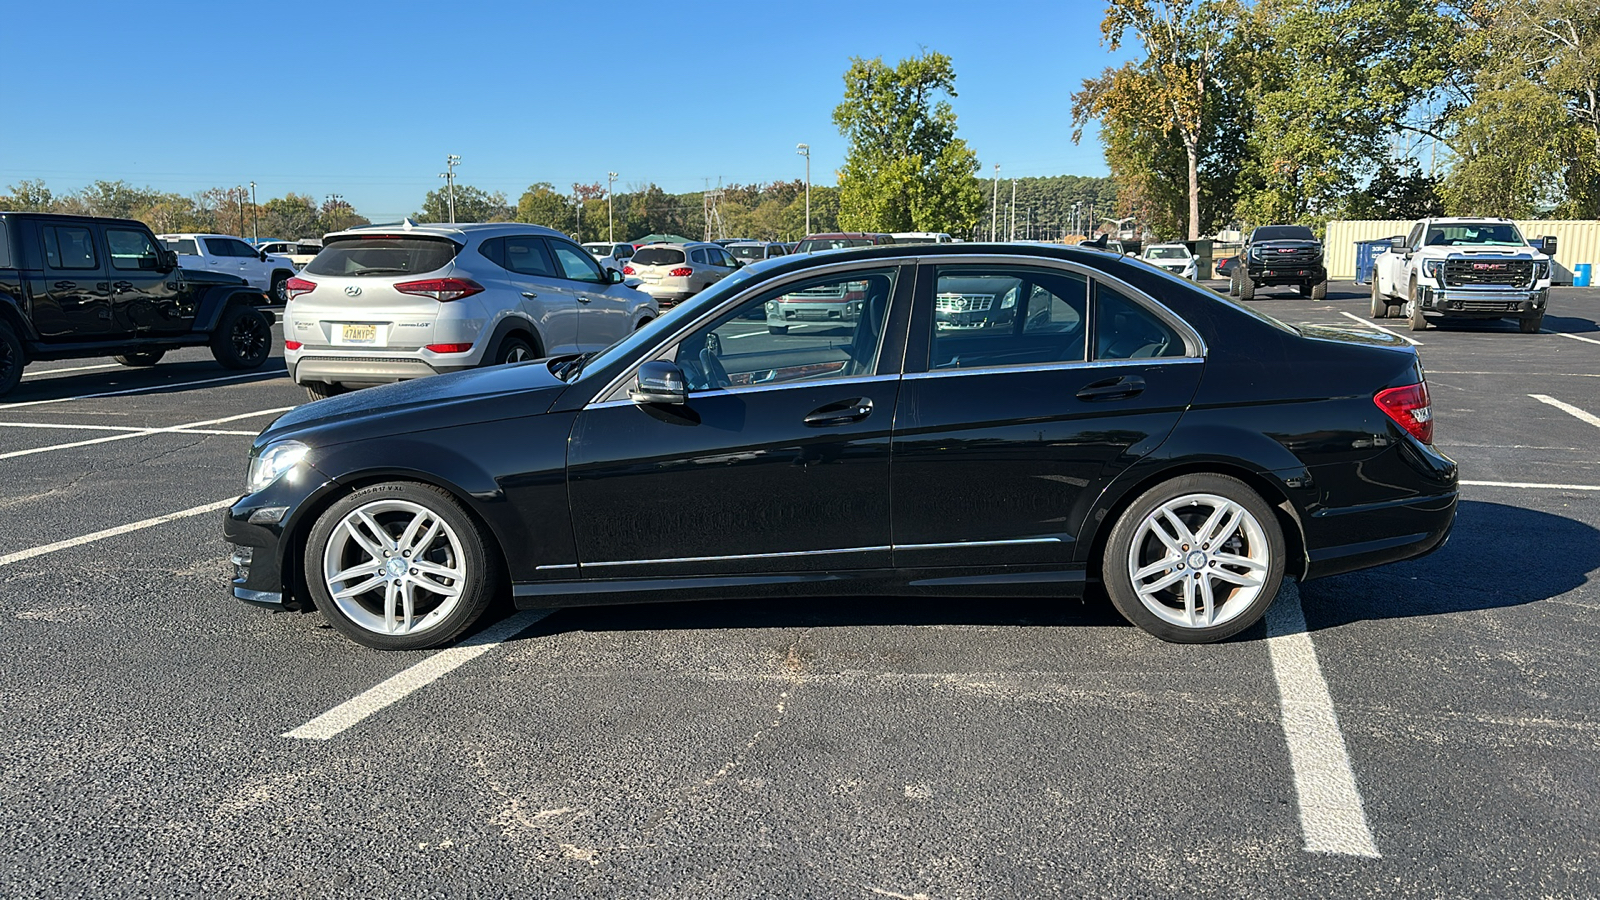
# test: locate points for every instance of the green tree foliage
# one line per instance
(905, 169)
(472, 205)
(1397, 191)
(541, 205)
(28, 195)
(291, 217)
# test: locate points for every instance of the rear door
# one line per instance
(72, 301)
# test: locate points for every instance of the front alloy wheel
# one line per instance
(1194, 560)
(400, 566)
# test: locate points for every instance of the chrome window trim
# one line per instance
(779, 555)
(803, 275)
(953, 544)
(763, 388)
(1052, 367)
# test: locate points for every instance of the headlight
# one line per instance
(274, 462)
(1431, 267)
(1009, 301)
(1541, 269)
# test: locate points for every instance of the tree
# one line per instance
(28, 195)
(541, 205)
(291, 217)
(905, 169)
(472, 205)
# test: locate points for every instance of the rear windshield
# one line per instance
(812, 245)
(598, 250)
(658, 256)
(383, 255)
(183, 246)
(1283, 233)
(748, 252)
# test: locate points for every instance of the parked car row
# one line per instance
(264, 271)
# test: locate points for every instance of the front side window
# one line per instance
(69, 248)
(130, 250)
(575, 264)
(987, 316)
(1125, 330)
(827, 327)
(5, 246)
(244, 251)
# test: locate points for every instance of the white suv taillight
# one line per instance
(441, 289)
(297, 286)
(1410, 408)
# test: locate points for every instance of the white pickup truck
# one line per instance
(1467, 268)
(229, 255)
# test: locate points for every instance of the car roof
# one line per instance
(199, 234)
(826, 235)
(1467, 220)
(69, 217)
(460, 231)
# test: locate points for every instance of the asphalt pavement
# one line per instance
(902, 748)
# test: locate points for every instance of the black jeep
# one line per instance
(80, 286)
(1278, 255)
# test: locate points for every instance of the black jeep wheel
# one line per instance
(243, 339)
(11, 360)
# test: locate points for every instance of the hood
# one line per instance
(206, 276)
(422, 404)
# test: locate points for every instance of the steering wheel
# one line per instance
(716, 375)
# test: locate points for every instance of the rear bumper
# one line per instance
(375, 369)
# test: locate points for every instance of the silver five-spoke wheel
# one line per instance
(1198, 558)
(394, 567)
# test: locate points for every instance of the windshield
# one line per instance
(1283, 233)
(1475, 234)
(1167, 253)
(748, 252)
(383, 255)
(625, 347)
(812, 245)
(182, 246)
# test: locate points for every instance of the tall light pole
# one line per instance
(805, 150)
(255, 217)
(1011, 231)
(449, 175)
(611, 227)
(994, 207)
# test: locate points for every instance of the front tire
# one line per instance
(280, 288)
(1319, 291)
(1532, 324)
(1233, 284)
(142, 359)
(1247, 288)
(243, 339)
(11, 360)
(1195, 559)
(1418, 319)
(1380, 303)
(401, 566)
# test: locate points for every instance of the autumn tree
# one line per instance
(471, 205)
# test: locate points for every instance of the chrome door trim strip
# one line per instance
(557, 567)
(1053, 367)
(685, 559)
(952, 544)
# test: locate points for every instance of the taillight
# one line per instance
(450, 348)
(681, 272)
(627, 270)
(441, 289)
(297, 286)
(292, 345)
(1410, 408)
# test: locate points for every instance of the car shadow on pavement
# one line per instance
(1498, 556)
(158, 379)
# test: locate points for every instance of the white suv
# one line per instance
(231, 256)
(383, 303)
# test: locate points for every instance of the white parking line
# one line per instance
(187, 427)
(1375, 327)
(1569, 409)
(43, 372)
(397, 687)
(1533, 486)
(140, 390)
(1573, 336)
(21, 555)
(58, 426)
(1332, 817)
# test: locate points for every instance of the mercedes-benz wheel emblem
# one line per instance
(353, 290)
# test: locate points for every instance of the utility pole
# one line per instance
(577, 201)
(805, 150)
(611, 228)
(255, 216)
(449, 175)
(994, 206)
(1011, 231)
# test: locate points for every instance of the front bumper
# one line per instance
(843, 310)
(1490, 303)
(1300, 274)
(264, 570)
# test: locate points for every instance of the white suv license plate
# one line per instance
(358, 334)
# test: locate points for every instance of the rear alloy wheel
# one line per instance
(1194, 560)
(11, 361)
(243, 339)
(513, 350)
(1531, 324)
(1247, 288)
(400, 566)
(141, 359)
(1380, 303)
(1419, 320)
(1319, 291)
(322, 390)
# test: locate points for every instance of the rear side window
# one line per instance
(5, 246)
(698, 255)
(183, 246)
(219, 247)
(527, 256)
(622, 251)
(658, 256)
(130, 250)
(69, 248)
(1125, 330)
(383, 255)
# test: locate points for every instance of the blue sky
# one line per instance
(366, 99)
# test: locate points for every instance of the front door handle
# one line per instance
(65, 285)
(842, 413)
(1113, 389)
(530, 295)
(583, 299)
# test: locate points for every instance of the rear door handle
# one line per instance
(1113, 389)
(842, 413)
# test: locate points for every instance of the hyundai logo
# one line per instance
(353, 290)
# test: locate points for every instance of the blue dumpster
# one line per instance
(1366, 257)
(1581, 273)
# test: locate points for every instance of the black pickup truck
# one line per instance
(1280, 255)
(82, 286)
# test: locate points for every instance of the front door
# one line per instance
(144, 299)
(779, 462)
(602, 314)
(545, 299)
(1031, 397)
(72, 301)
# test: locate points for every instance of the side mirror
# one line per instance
(660, 382)
(1398, 242)
(1546, 245)
(169, 260)
(262, 255)
(613, 276)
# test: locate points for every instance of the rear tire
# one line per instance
(1419, 320)
(1531, 324)
(322, 390)
(280, 290)
(1319, 291)
(142, 359)
(243, 339)
(1247, 288)
(777, 329)
(1233, 284)
(1380, 303)
(513, 350)
(11, 359)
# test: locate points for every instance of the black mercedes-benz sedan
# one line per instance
(1121, 426)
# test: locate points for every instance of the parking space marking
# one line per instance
(1375, 327)
(42, 372)
(1534, 486)
(1569, 409)
(1332, 817)
(1574, 337)
(391, 690)
(21, 555)
(186, 428)
(58, 426)
(140, 390)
